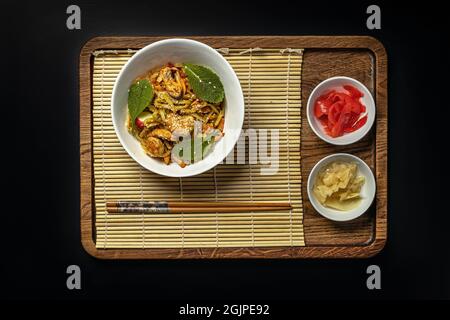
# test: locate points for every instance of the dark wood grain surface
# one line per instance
(360, 57)
(318, 65)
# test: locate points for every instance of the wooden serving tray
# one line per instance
(360, 57)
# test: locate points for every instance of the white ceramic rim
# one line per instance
(229, 147)
(339, 216)
(363, 131)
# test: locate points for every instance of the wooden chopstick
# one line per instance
(192, 207)
(196, 204)
(193, 210)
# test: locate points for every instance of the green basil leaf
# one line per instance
(140, 96)
(205, 83)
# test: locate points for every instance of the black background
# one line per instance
(40, 222)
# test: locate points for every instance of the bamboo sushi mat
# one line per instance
(271, 81)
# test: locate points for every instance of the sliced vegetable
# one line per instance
(320, 108)
(340, 112)
(140, 120)
(354, 93)
(359, 124)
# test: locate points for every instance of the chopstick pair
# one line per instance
(192, 206)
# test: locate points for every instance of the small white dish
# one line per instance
(367, 190)
(337, 84)
(178, 51)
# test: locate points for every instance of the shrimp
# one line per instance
(154, 147)
(171, 79)
(162, 133)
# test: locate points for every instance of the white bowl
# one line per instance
(367, 190)
(337, 84)
(188, 51)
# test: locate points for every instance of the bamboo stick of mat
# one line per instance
(192, 207)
